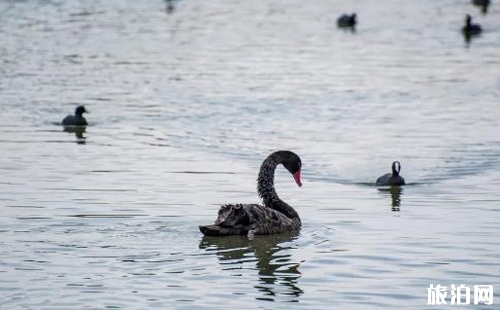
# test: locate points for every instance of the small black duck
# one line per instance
(391, 178)
(483, 4)
(471, 29)
(77, 119)
(347, 21)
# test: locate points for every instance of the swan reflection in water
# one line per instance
(78, 131)
(278, 274)
(395, 191)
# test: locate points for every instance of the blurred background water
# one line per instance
(187, 97)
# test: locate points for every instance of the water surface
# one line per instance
(186, 102)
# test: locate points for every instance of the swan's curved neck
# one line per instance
(265, 188)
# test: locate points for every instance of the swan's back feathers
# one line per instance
(242, 219)
(232, 215)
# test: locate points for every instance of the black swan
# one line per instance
(392, 178)
(471, 29)
(77, 119)
(346, 21)
(276, 216)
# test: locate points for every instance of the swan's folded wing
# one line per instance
(240, 219)
(231, 215)
(264, 220)
(232, 219)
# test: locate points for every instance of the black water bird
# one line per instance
(470, 29)
(275, 216)
(392, 178)
(347, 21)
(77, 119)
(170, 6)
(483, 4)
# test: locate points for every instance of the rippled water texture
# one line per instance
(186, 98)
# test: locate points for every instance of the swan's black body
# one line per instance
(77, 119)
(276, 216)
(392, 178)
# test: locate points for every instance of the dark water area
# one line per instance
(186, 98)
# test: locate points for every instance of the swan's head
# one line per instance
(292, 163)
(80, 110)
(396, 167)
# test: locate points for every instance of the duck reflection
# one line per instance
(278, 274)
(395, 192)
(79, 132)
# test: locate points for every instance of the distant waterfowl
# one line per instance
(77, 119)
(170, 6)
(483, 4)
(276, 216)
(347, 21)
(392, 178)
(471, 29)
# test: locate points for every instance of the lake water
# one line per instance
(184, 105)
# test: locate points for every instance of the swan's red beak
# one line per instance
(296, 177)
